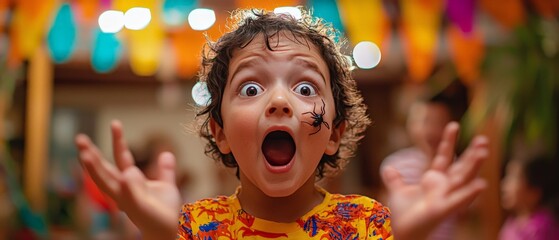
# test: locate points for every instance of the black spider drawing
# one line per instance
(317, 117)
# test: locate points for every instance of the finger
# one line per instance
(477, 149)
(465, 195)
(123, 156)
(166, 165)
(392, 178)
(84, 144)
(469, 163)
(104, 174)
(445, 152)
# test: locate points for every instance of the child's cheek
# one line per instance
(243, 121)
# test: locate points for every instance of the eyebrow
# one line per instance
(245, 64)
(312, 65)
(255, 59)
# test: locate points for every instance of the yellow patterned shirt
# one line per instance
(337, 217)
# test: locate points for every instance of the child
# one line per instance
(284, 111)
(531, 195)
(425, 126)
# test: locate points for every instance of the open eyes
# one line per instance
(253, 89)
(305, 89)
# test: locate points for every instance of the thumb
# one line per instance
(392, 178)
(166, 165)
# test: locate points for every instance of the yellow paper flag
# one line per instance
(421, 22)
(145, 45)
(365, 21)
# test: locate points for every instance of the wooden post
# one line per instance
(491, 212)
(493, 126)
(38, 114)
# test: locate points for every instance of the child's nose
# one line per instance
(279, 105)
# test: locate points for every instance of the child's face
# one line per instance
(517, 195)
(426, 123)
(264, 110)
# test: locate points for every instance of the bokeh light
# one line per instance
(366, 55)
(201, 19)
(201, 94)
(293, 11)
(111, 21)
(137, 18)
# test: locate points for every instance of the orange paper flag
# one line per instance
(14, 55)
(88, 10)
(266, 4)
(3, 12)
(508, 14)
(547, 8)
(467, 52)
(29, 24)
(187, 45)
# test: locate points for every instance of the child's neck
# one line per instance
(279, 209)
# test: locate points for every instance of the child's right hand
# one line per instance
(153, 205)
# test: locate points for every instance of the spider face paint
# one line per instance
(318, 118)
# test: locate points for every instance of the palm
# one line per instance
(445, 188)
(148, 201)
(151, 204)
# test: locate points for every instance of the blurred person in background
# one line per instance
(531, 196)
(426, 122)
(146, 155)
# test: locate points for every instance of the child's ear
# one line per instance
(335, 139)
(219, 137)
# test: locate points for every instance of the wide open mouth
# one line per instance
(278, 148)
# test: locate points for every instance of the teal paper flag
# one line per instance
(106, 51)
(175, 12)
(62, 35)
(327, 10)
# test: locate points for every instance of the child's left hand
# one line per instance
(445, 188)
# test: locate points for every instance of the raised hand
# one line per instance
(447, 187)
(152, 205)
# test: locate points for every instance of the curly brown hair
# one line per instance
(245, 26)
